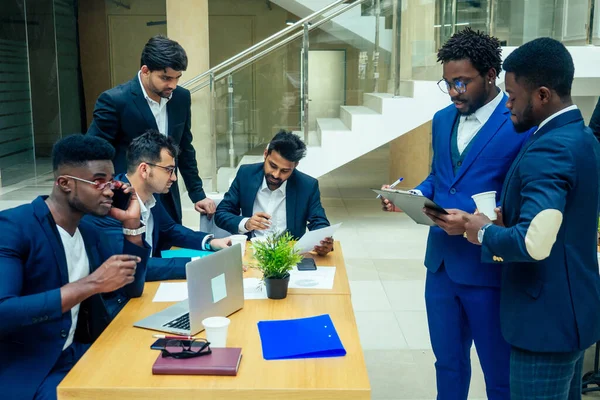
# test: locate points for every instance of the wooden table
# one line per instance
(119, 364)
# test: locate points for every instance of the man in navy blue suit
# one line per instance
(545, 237)
(56, 268)
(152, 100)
(274, 196)
(474, 144)
(151, 164)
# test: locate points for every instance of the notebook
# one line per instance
(222, 361)
(312, 337)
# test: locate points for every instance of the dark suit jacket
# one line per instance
(303, 201)
(485, 165)
(122, 114)
(550, 302)
(165, 234)
(33, 266)
(595, 121)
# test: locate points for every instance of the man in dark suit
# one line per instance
(55, 268)
(545, 236)
(274, 196)
(152, 100)
(151, 164)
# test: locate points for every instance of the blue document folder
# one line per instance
(313, 337)
(185, 253)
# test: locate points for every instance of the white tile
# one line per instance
(400, 269)
(369, 296)
(406, 295)
(379, 330)
(414, 328)
(361, 270)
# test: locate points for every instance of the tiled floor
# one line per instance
(384, 257)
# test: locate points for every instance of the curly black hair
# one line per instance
(481, 49)
(543, 62)
(78, 149)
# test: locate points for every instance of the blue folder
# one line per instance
(189, 253)
(313, 337)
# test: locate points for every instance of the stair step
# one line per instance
(313, 137)
(331, 124)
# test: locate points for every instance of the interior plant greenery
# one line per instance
(276, 255)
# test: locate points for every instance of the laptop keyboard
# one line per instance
(182, 323)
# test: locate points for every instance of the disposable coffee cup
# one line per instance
(216, 330)
(241, 239)
(486, 203)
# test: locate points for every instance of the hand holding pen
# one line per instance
(387, 205)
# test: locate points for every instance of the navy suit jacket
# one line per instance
(122, 114)
(493, 150)
(550, 303)
(165, 234)
(33, 267)
(302, 196)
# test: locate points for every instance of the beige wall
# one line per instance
(410, 156)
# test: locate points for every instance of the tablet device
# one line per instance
(411, 204)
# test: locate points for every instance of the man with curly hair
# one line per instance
(474, 144)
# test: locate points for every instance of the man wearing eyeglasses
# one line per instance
(56, 268)
(150, 170)
(474, 144)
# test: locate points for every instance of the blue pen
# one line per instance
(393, 185)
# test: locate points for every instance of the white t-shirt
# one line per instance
(78, 266)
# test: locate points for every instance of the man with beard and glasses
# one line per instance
(273, 197)
(150, 171)
(544, 239)
(152, 100)
(474, 144)
(56, 268)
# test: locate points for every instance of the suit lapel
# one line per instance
(255, 184)
(445, 135)
(485, 134)
(290, 203)
(171, 117)
(142, 104)
(48, 225)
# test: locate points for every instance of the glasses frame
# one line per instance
(453, 85)
(186, 349)
(99, 186)
(170, 170)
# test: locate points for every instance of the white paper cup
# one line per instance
(486, 203)
(216, 330)
(241, 239)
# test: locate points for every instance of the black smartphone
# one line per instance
(307, 264)
(160, 343)
(121, 199)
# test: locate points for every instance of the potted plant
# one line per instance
(275, 257)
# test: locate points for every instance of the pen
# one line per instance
(393, 185)
(174, 337)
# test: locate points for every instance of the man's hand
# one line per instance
(130, 218)
(325, 247)
(386, 204)
(258, 222)
(116, 272)
(218, 244)
(206, 206)
(452, 223)
(499, 218)
(473, 223)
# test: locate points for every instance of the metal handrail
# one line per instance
(266, 41)
(277, 45)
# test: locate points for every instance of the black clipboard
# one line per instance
(411, 204)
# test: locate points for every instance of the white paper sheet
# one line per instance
(322, 278)
(171, 291)
(313, 238)
(254, 289)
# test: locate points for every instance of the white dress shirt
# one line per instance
(470, 125)
(159, 110)
(78, 267)
(556, 114)
(147, 217)
(273, 203)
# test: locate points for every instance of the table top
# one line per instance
(119, 364)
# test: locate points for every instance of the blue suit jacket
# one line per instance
(302, 196)
(484, 168)
(33, 266)
(122, 114)
(165, 234)
(552, 304)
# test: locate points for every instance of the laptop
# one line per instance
(215, 288)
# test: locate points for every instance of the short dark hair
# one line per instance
(289, 145)
(482, 50)
(76, 150)
(161, 53)
(543, 62)
(147, 148)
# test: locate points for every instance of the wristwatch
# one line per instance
(207, 243)
(481, 233)
(135, 232)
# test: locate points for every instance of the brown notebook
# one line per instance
(222, 361)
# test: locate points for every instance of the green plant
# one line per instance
(276, 256)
